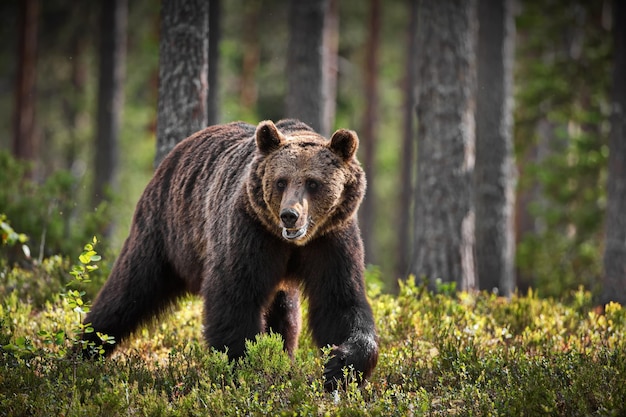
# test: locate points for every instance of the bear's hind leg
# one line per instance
(283, 317)
(141, 286)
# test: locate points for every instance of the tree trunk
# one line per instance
(24, 140)
(183, 68)
(305, 62)
(248, 93)
(215, 34)
(494, 173)
(526, 222)
(113, 24)
(444, 220)
(368, 132)
(331, 67)
(405, 235)
(614, 285)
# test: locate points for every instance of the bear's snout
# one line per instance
(295, 222)
(289, 217)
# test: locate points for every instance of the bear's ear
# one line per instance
(268, 138)
(344, 143)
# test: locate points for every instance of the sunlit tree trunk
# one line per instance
(494, 173)
(215, 34)
(614, 288)
(183, 68)
(444, 220)
(24, 138)
(407, 157)
(113, 23)
(305, 62)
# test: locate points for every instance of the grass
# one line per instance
(445, 354)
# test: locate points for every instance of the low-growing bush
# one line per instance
(33, 280)
(447, 354)
(53, 213)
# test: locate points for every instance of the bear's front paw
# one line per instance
(352, 361)
(341, 369)
(334, 369)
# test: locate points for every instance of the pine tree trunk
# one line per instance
(368, 132)
(113, 25)
(248, 93)
(215, 35)
(183, 68)
(305, 62)
(331, 67)
(614, 285)
(405, 235)
(444, 220)
(494, 173)
(24, 140)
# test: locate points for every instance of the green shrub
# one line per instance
(36, 281)
(445, 354)
(53, 214)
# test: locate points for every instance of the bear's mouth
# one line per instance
(295, 233)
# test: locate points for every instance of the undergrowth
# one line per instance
(444, 354)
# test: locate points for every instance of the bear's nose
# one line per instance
(289, 217)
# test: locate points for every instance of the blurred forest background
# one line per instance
(562, 85)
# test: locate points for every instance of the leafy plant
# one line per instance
(74, 303)
(447, 353)
(50, 213)
(561, 137)
(74, 299)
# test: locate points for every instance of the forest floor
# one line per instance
(449, 354)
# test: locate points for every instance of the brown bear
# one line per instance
(247, 219)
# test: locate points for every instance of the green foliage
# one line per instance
(8, 236)
(38, 281)
(74, 299)
(443, 353)
(48, 212)
(69, 309)
(561, 132)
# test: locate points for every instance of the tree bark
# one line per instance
(494, 173)
(444, 220)
(113, 24)
(407, 191)
(183, 68)
(614, 285)
(305, 62)
(248, 93)
(24, 139)
(331, 67)
(215, 35)
(369, 131)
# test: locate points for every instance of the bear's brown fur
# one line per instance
(249, 218)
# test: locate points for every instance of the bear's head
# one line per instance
(303, 185)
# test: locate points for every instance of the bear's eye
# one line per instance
(312, 185)
(281, 184)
